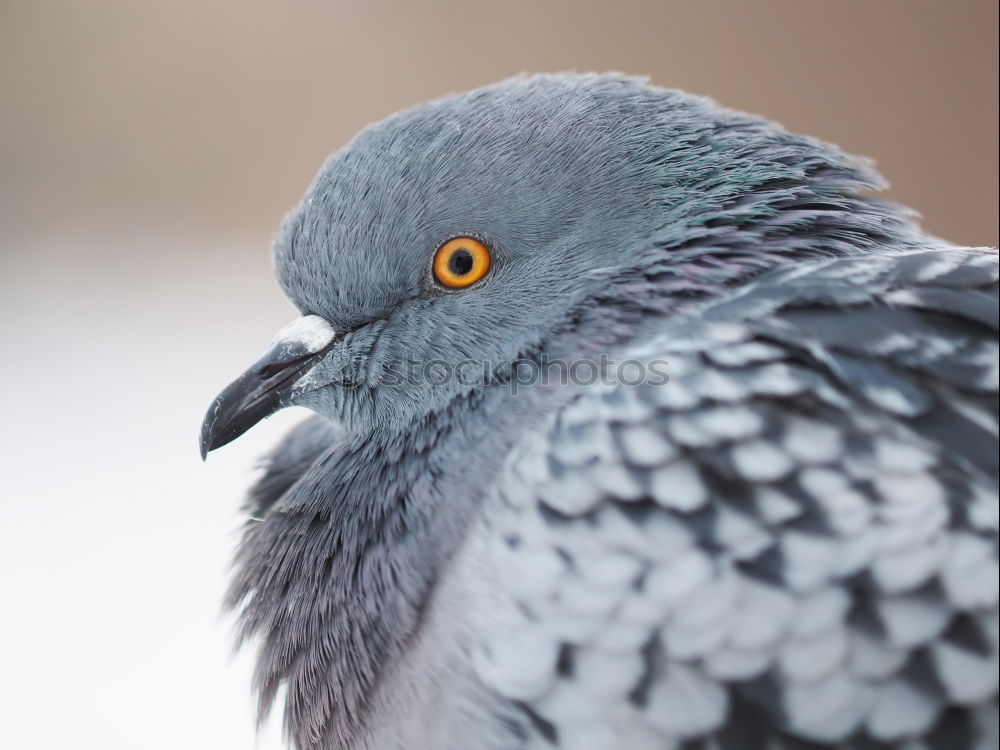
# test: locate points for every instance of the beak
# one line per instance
(268, 385)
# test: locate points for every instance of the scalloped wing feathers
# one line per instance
(794, 540)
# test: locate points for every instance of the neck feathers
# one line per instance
(334, 578)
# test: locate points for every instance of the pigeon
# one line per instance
(640, 423)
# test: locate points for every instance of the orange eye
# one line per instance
(460, 262)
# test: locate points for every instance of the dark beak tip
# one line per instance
(205, 438)
(259, 392)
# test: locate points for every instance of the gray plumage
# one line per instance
(791, 543)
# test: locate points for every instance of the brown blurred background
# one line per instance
(212, 116)
(148, 151)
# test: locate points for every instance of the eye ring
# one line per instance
(461, 262)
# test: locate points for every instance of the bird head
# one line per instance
(457, 237)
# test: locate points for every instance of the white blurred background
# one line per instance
(148, 150)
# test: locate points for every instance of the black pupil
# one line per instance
(460, 262)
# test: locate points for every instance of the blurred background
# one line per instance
(148, 151)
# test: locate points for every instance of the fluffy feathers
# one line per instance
(794, 540)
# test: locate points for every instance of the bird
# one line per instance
(639, 423)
